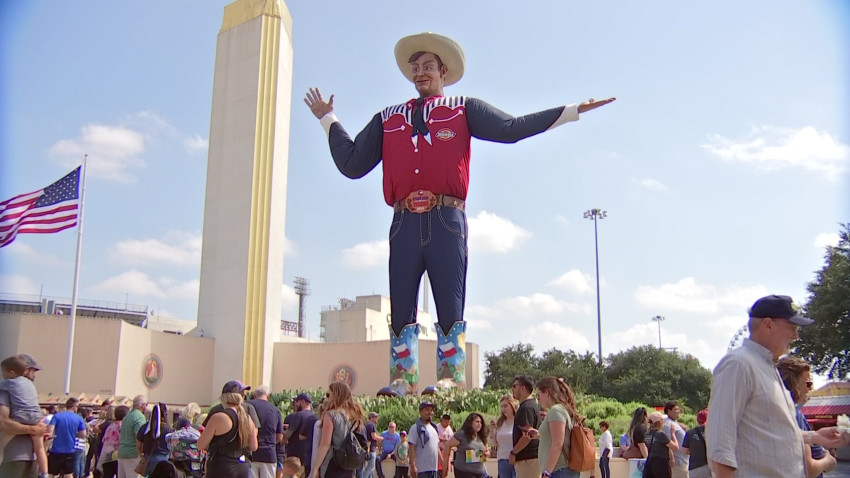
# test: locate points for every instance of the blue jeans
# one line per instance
(604, 468)
(427, 474)
(506, 470)
(435, 241)
(79, 463)
(368, 470)
(566, 473)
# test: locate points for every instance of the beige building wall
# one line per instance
(109, 357)
(367, 319)
(315, 365)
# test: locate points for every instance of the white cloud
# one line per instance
(771, 147)
(826, 239)
(113, 151)
(546, 335)
(132, 282)
(18, 285)
(289, 300)
(366, 254)
(138, 284)
(196, 143)
(174, 248)
(289, 248)
(491, 233)
(687, 295)
(651, 184)
(528, 307)
(477, 325)
(574, 281)
(26, 252)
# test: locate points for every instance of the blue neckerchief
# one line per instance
(422, 432)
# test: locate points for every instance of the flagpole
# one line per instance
(73, 318)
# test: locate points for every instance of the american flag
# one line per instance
(47, 210)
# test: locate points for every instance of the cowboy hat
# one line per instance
(449, 52)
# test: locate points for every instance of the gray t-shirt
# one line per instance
(426, 453)
(470, 454)
(20, 447)
(23, 399)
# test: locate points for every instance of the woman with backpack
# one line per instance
(150, 440)
(472, 449)
(554, 395)
(228, 436)
(341, 416)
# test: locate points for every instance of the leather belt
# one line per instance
(422, 201)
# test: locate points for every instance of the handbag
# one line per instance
(142, 467)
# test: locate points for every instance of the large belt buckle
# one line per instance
(420, 201)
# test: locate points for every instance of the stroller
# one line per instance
(184, 454)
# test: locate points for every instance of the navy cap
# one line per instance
(779, 307)
(29, 361)
(234, 386)
(303, 397)
(426, 404)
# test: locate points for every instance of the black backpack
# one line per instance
(351, 453)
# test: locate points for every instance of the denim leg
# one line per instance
(604, 467)
(446, 262)
(368, 470)
(506, 470)
(408, 232)
(566, 473)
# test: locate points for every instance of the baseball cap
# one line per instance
(655, 416)
(373, 414)
(29, 361)
(234, 386)
(779, 307)
(426, 404)
(303, 397)
(702, 417)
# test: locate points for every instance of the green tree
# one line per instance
(582, 372)
(824, 344)
(513, 360)
(651, 375)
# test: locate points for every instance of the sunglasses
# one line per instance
(810, 384)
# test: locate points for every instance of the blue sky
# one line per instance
(723, 164)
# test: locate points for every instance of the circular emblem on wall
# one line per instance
(344, 373)
(151, 371)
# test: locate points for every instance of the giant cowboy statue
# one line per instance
(424, 146)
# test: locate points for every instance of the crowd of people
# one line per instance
(754, 428)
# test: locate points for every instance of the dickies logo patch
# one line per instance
(445, 134)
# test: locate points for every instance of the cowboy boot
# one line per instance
(404, 360)
(451, 356)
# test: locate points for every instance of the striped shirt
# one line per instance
(751, 419)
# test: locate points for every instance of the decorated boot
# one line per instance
(404, 360)
(451, 356)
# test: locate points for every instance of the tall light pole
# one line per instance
(597, 214)
(659, 319)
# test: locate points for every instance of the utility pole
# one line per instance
(597, 214)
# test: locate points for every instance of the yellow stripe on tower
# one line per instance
(258, 250)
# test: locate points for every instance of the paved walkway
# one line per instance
(841, 470)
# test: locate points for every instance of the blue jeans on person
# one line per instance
(427, 474)
(604, 468)
(566, 473)
(79, 463)
(368, 470)
(506, 470)
(154, 460)
(434, 241)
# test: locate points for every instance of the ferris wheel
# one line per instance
(738, 338)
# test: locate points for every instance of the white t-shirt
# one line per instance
(444, 433)
(505, 440)
(427, 454)
(606, 441)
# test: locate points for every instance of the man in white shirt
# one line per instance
(752, 430)
(606, 448)
(424, 444)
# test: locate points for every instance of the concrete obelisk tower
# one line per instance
(245, 208)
